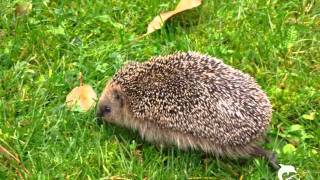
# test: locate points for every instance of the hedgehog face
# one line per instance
(111, 104)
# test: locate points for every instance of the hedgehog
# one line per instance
(192, 101)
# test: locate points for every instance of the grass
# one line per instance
(41, 54)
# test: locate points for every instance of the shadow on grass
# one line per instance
(208, 163)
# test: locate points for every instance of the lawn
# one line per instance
(42, 53)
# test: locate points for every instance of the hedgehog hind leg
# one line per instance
(268, 155)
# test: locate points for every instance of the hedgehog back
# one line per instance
(197, 95)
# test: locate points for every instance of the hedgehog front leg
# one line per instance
(268, 155)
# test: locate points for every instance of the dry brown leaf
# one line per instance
(138, 154)
(23, 8)
(159, 20)
(81, 98)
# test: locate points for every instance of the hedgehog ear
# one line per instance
(117, 95)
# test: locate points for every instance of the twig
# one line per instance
(9, 155)
(81, 79)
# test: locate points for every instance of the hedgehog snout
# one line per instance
(99, 115)
(102, 110)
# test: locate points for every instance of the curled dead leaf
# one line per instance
(23, 8)
(138, 154)
(81, 98)
(159, 20)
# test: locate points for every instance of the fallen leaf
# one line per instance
(288, 149)
(108, 19)
(311, 116)
(159, 20)
(295, 127)
(313, 151)
(138, 154)
(56, 30)
(23, 8)
(81, 98)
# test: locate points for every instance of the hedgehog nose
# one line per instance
(99, 115)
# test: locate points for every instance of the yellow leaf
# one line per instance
(313, 151)
(289, 149)
(310, 116)
(241, 177)
(83, 97)
(23, 8)
(50, 73)
(159, 20)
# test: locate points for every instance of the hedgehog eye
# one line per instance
(106, 109)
